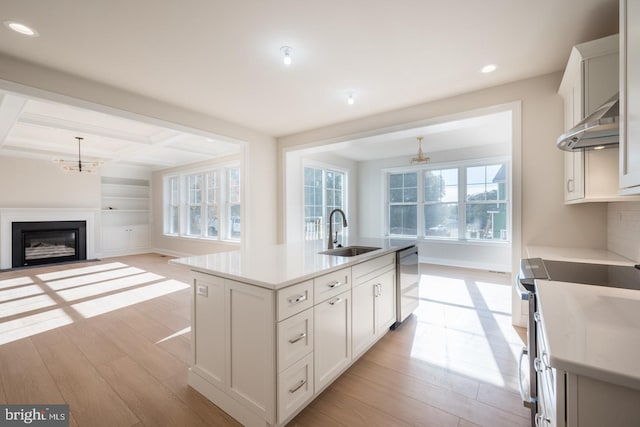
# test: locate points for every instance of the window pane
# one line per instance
(234, 221)
(173, 220)
(410, 195)
(396, 181)
(487, 221)
(322, 194)
(403, 220)
(212, 221)
(195, 189)
(233, 185)
(212, 187)
(441, 220)
(193, 226)
(486, 182)
(441, 185)
(395, 196)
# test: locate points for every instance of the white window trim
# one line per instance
(461, 166)
(345, 188)
(222, 204)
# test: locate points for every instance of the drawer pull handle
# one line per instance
(536, 317)
(335, 301)
(298, 299)
(335, 284)
(545, 360)
(537, 365)
(298, 338)
(298, 386)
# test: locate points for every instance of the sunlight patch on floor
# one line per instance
(55, 275)
(177, 334)
(86, 291)
(113, 302)
(16, 281)
(92, 278)
(34, 304)
(24, 327)
(464, 326)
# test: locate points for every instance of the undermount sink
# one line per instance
(350, 251)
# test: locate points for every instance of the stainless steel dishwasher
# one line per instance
(408, 283)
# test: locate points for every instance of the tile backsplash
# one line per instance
(623, 229)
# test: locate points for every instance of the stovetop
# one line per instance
(615, 276)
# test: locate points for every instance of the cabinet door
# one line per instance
(630, 97)
(138, 236)
(208, 323)
(250, 347)
(385, 303)
(332, 348)
(115, 239)
(364, 324)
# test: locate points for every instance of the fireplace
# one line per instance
(48, 242)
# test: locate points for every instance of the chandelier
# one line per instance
(78, 166)
(420, 158)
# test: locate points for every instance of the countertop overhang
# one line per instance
(592, 330)
(279, 266)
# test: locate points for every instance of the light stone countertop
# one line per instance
(592, 330)
(279, 266)
(593, 256)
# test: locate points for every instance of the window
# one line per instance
(324, 191)
(441, 203)
(173, 212)
(197, 198)
(403, 203)
(463, 202)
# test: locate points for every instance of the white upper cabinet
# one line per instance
(629, 97)
(590, 79)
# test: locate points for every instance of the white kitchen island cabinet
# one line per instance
(267, 340)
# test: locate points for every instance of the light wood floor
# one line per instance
(111, 339)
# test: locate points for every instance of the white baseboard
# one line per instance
(170, 253)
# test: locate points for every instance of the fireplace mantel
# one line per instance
(10, 215)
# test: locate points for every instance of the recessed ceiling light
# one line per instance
(599, 147)
(21, 28)
(350, 99)
(489, 68)
(286, 52)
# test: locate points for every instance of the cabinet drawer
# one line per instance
(366, 270)
(295, 387)
(331, 284)
(294, 299)
(295, 338)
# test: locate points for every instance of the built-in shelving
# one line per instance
(126, 215)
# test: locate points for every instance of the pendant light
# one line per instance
(420, 158)
(78, 166)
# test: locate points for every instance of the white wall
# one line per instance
(546, 220)
(623, 226)
(32, 183)
(259, 157)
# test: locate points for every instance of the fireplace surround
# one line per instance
(47, 242)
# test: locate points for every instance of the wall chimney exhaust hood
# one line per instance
(598, 130)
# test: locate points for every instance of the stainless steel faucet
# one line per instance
(344, 224)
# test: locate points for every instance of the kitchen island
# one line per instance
(273, 326)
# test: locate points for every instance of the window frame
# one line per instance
(345, 200)
(462, 202)
(223, 231)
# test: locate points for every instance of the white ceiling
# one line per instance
(47, 130)
(222, 58)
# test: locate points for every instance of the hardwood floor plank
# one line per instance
(407, 409)
(91, 399)
(95, 345)
(382, 355)
(152, 403)
(25, 377)
(198, 403)
(436, 396)
(158, 362)
(500, 398)
(310, 417)
(353, 412)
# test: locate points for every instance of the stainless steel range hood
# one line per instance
(599, 129)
